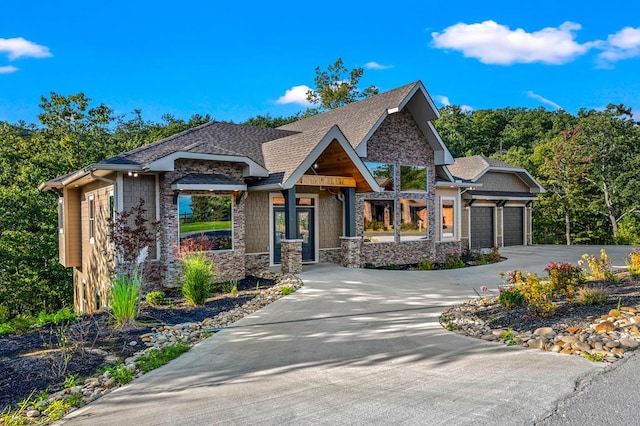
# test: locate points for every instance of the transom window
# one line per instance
(205, 222)
(413, 179)
(384, 174)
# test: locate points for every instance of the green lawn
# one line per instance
(204, 226)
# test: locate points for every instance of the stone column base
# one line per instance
(291, 259)
(350, 247)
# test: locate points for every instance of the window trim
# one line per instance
(92, 219)
(426, 225)
(414, 191)
(393, 180)
(393, 203)
(454, 207)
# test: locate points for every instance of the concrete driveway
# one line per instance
(357, 347)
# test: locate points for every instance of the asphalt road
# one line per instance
(357, 346)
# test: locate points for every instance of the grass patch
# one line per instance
(204, 226)
(593, 296)
(157, 358)
(287, 290)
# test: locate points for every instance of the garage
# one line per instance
(481, 227)
(513, 225)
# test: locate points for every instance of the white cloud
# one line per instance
(8, 69)
(493, 43)
(622, 45)
(546, 101)
(376, 66)
(295, 95)
(444, 100)
(19, 47)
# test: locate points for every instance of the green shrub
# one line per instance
(369, 265)
(124, 298)
(71, 380)
(454, 261)
(157, 358)
(510, 298)
(21, 323)
(155, 298)
(198, 274)
(564, 276)
(426, 265)
(5, 328)
(392, 267)
(75, 400)
(593, 296)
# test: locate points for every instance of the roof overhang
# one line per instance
(523, 174)
(167, 163)
(494, 196)
(336, 134)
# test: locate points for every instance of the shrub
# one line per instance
(70, 381)
(124, 298)
(454, 261)
(157, 358)
(512, 277)
(392, 267)
(426, 265)
(564, 276)
(4, 314)
(539, 295)
(198, 274)
(155, 298)
(593, 296)
(600, 266)
(633, 263)
(510, 298)
(120, 374)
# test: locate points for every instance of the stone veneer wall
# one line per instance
(332, 255)
(399, 141)
(380, 254)
(446, 248)
(291, 259)
(256, 261)
(228, 264)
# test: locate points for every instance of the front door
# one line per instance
(304, 231)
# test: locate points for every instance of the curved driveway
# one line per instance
(357, 346)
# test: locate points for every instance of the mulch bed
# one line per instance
(27, 364)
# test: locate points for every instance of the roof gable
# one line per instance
(474, 167)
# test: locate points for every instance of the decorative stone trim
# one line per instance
(291, 258)
(350, 247)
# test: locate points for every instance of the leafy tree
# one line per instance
(337, 87)
(269, 121)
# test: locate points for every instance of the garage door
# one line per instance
(481, 227)
(513, 226)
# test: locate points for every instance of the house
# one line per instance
(365, 184)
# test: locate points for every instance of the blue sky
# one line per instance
(234, 60)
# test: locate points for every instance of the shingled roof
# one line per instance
(473, 168)
(211, 138)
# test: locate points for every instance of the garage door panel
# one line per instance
(481, 227)
(513, 226)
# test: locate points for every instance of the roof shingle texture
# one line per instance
(468, 168)
(210, 138)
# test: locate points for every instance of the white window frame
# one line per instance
(91, 214)
(456, 215)
(232, 220)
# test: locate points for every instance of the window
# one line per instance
(448, 219)
(111, 205)
(414, 220)
(205, 222)
(413, 179)
(92, 220)
(61, 215)
(384, 174)
(379, 219)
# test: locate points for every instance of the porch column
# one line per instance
(349, 211)
(291, 258)
(290, 213)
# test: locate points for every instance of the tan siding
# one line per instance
(329, 217)
(93, 277)
(72, 229)
(257, 222)
(497, 181)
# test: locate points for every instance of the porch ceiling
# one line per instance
(334, 161)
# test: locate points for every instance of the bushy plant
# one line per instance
(600, 266)
(392, 267)
(229, 286)
(564, 276)
(538, 294)
(198, 275)
(70, 381)
(453, 261)
(120, 373)
(124, 299)
(510, 298)
(593, 296)
(155, 298)
(4, 314)
(426, 265)
(633, 263)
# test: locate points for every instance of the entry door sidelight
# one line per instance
(304, 231)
